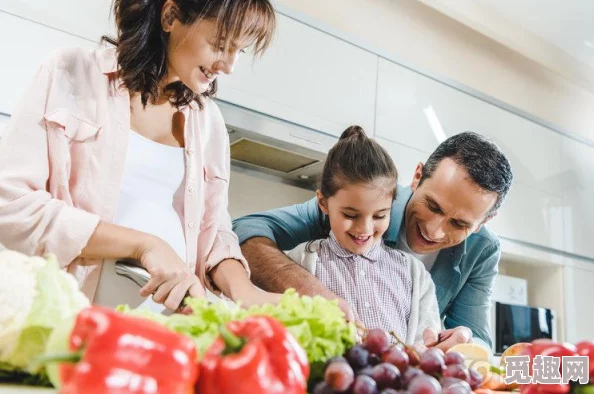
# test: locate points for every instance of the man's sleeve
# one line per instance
(472, 305)
(288, 226)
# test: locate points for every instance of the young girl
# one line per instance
(386, 288)
(121, 153)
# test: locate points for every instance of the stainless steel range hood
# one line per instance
(269, 147)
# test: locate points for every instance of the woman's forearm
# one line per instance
(110, 241)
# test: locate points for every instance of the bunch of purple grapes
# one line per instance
(376, 367)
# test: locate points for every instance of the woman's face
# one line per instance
(195, 56)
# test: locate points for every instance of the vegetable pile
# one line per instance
(317, 323)
(36, 296)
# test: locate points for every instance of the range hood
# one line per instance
(273, 148)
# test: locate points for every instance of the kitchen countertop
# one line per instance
(9, 389)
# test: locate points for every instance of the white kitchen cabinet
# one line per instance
(531, 215)
(405, 158)
(578, 181)
(89, 19)
(307, 77)
(3, 121)
(420, 112)
(579, 316)
(22, 56)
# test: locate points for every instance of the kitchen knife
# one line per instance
(132, 271)
(139, 275)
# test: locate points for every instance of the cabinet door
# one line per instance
(3, 121)
(22, 57)
(531, 215)
(89, 19)
(307, 77)
(420, 112)
(578, 183)
(579, 321)
(405, 158)
(416, 111)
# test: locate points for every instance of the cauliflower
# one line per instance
(36, 296)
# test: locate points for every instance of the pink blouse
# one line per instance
(62, 157)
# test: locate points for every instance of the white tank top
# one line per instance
(154, 177)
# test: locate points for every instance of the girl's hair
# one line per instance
(354, 159)
(142, 43)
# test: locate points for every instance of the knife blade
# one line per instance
(138, 274)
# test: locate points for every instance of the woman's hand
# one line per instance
(171, 279)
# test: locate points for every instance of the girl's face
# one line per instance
(359, 214)
(195, 57)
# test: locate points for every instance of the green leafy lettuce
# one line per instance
(317, 323)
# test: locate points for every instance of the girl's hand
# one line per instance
(231, 278)
(256, 296)
(171, 279)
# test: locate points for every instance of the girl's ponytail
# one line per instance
(355, 132)
(354, 159)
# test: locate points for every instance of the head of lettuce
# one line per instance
(36, 296)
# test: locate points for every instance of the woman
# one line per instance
(128, 157)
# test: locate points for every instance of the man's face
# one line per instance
(445, 209)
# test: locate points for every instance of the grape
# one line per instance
(364, 385)
(335, 360)
(409, 375)
(457, 371)
(322, 388)
(455, 386)
(447, 381)
(438, 350)
(357, 356)
(376, 341)
(397, 357)
(365, 371)
(339, 376)
(475, 378)
(413, 356)
(374, 359)
(432, 362)
(386, 376)
(453, 358)
(424, 384)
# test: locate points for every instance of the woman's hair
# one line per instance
(357, 159)
(142, 43)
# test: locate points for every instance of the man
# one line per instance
(439, 219)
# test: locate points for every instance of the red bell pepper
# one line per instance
(586, 348)
(257, 355)
(547, 347)
(122, 355)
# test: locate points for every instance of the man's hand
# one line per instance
(446, 339)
